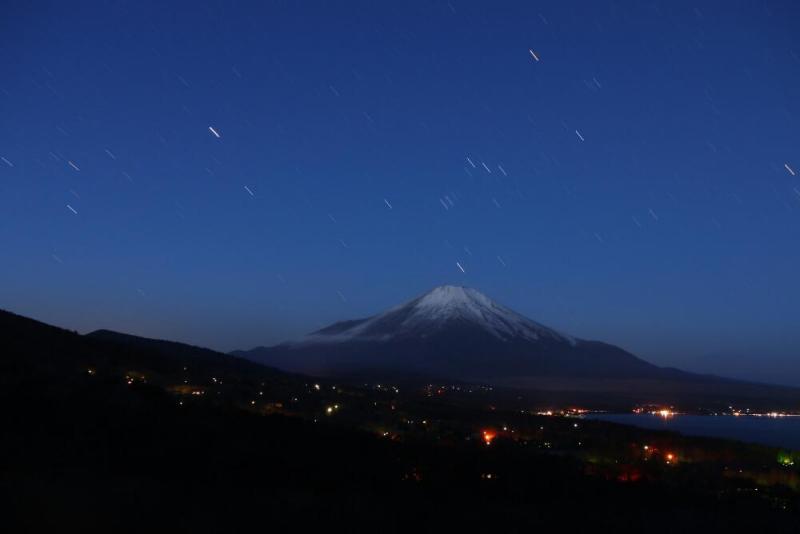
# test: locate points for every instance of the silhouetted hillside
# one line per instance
(110, 433)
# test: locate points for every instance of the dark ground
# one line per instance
(93, 453)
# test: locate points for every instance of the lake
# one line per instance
(774, 431)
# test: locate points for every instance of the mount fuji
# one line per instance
(458, 333)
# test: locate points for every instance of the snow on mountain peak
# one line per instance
(441, 306)
(452, 296)
(447, 302)
(454, 301)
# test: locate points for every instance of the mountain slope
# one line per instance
(33, 350)
(181, 353)
(440, 308)
(456, 333)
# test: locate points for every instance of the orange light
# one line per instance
(488, 436)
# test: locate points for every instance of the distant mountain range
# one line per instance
(450, 334)
(456, 333)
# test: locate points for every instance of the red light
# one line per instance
(488, 436)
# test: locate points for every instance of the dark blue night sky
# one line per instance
(635, 184)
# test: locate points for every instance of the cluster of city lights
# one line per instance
(568, 412)
(666, 413)
(130, 378)
(669, 457)
(660, 453)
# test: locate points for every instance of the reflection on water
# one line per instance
(774, 431)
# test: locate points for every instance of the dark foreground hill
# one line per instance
(36, 350)
(99, 437)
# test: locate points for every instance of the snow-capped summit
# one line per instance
(451, 332)
(439, 308)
